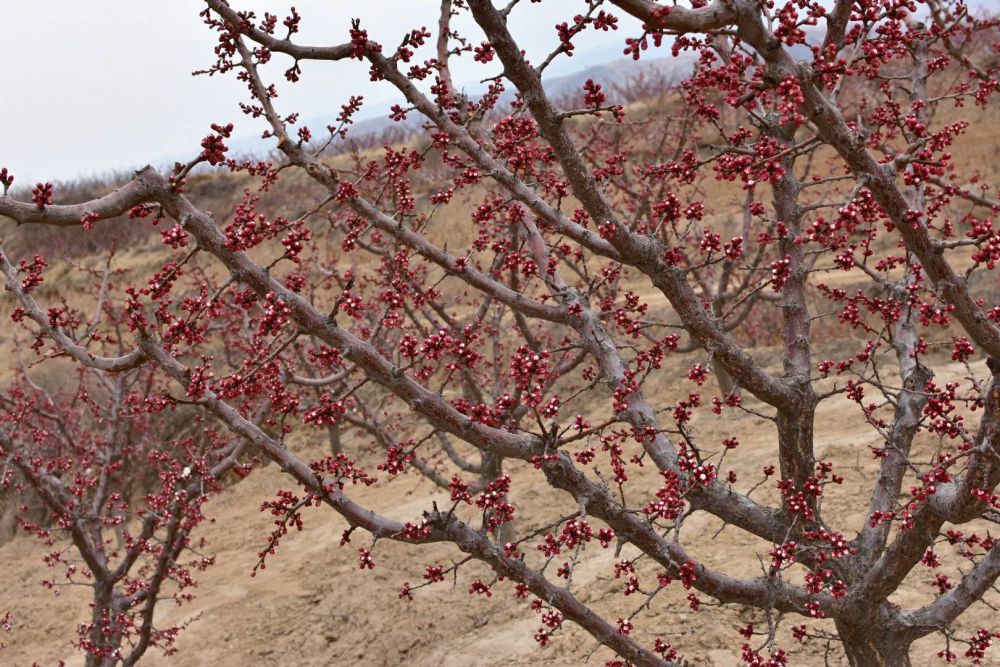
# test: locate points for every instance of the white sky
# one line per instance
(92, 86)
(96, 86)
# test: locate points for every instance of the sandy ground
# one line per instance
(312, 606)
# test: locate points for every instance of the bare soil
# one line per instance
(313, 606)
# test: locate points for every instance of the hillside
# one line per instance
(313, 606)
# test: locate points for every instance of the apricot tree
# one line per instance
(497, 297)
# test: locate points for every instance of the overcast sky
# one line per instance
(91, 87)
(97, 86)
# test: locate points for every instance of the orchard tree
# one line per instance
(125, 480)
(497, 297)
(117, 466)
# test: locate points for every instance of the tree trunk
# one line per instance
(333, 431)
(107, 646)
(492, 468)
(727, 385)
(795, 442)
(870, 646)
